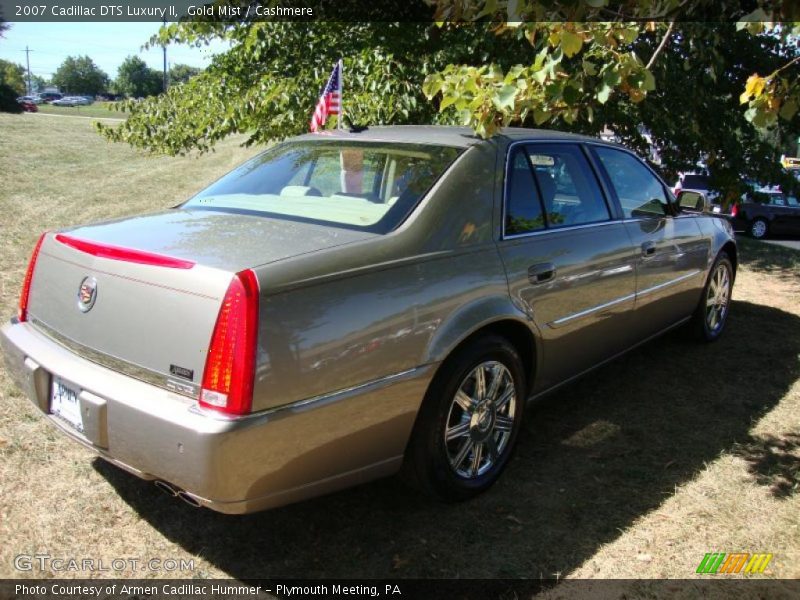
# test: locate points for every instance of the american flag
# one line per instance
(330, 99)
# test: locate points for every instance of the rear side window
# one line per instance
(640, 193)
(524, 211)
(550, 186)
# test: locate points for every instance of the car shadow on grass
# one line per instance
(592, 459)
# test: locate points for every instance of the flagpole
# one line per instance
(341, 93)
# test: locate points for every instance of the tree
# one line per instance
(182, 73)
(8, 100)
(679, 81)
(79, 75)
(13, 76)
(38, 83)
(135, 79)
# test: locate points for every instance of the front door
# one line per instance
(672, 252)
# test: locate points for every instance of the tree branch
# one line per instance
(661, 45)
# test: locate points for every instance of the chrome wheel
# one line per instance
(758, 229)
(718, 297)
(480, 420)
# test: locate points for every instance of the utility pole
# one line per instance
(164, 48)
(28, 61)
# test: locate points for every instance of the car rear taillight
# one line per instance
(22, 313)
(734, 210)
(230, 365)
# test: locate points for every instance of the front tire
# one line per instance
(469, 421)
(708, 321)
(758, 229)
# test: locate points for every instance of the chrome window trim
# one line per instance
(515, 236)
(507, 168)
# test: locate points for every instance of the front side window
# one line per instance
(359, 185)
(550, 186)
(640, 193)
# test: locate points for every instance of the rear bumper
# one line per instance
(231, 465)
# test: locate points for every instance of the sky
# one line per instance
(108, 44)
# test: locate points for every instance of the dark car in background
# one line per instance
(50, 96)
(767, 211)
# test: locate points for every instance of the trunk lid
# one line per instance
(152, 318)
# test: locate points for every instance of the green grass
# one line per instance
(764, 257)
(637, 470)
(97, 110)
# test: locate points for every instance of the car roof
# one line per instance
(461, 137)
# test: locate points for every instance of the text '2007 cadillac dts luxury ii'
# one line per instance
(345, 305)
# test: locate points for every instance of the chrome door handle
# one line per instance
(541, 272)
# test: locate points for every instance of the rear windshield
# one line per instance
(367, 186)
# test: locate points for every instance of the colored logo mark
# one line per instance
(714, 563)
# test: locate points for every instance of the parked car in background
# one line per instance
(50, 96)
(31, 99)
(28, 106)
(767, 211)
(349, 304)
(65, 101)
(72, 101)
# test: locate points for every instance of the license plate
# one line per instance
(64, 403)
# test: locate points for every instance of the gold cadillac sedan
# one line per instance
(347, 305)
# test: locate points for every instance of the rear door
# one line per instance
(671, 251)
(569, 260)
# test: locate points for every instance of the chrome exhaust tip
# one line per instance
(188, 499)
(167, 488)
(176, 492)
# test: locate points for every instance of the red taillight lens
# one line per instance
(230, 364)
(22, 313)
(734, 210)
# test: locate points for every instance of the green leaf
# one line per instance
(789, 109)
(603, 93)
(540, 116)
(504, 99)
(589, 67)
(571, 43)
(447, 101)
(571, 95)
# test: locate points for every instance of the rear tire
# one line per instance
(711, 314)
(758, 229)
(470, 418)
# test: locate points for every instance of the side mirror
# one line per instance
(691, 201)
